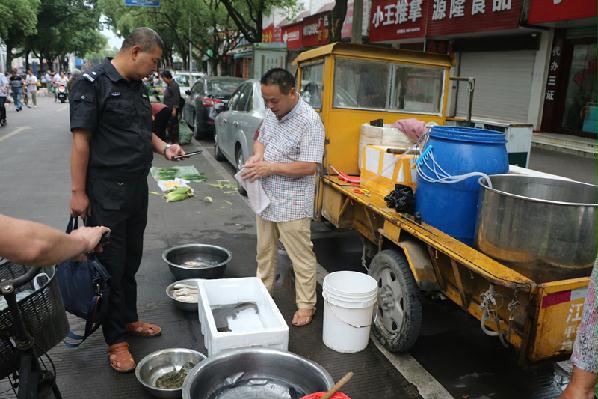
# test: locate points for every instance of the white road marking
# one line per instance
(428, 386)
(16, 131)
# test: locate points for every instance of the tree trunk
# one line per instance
(8, 57)
(338, 19)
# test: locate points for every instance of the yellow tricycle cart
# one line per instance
(351, 85)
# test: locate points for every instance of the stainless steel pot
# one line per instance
(543, 228)
(211, 258)
(158, 363)
(186, 306)
(257, 373)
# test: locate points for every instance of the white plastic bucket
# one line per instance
(349, 299)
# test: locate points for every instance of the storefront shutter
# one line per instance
(502, 84)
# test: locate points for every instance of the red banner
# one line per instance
(271, 34)
(348, 24)
(448, 17)
(316, 30)
(291, 35)
(541, 11)
(397, 19)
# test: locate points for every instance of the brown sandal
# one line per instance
(301, 318)
(142, 329)
(120, 358)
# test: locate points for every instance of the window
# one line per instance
(361, 84)
(182, 80)
(242, 95)
(198, 87)
(311, 84)
(390, 87)
(223, 86)
(249, 92)
(417, 89)
(232, 104)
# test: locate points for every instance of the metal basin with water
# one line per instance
(197, 261)
(255, 373)
(543, 228)
(158, 363)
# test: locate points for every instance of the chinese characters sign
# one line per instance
(541, 11)
(316, 30)
(398, 19)
(291, 35)
(271, 34)
(463, 16)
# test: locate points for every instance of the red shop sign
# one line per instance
(291, 35)
(397, 19)
(267, 33)
(316, 30)
(447, 17)
(541, 11)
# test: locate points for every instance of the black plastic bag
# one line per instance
(401, 199)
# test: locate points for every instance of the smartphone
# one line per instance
(187, 155)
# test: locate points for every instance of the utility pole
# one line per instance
(357, 21)
(190, 46)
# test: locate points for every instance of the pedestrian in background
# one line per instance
(4, 87)
(172, 99)
(583, 379)
(31, 81)
(111, 155)
(287, 152)
(16, 88)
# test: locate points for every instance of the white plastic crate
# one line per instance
(273, 334)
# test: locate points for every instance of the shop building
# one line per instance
(569, 102)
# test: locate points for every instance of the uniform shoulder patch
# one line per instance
(89, 77)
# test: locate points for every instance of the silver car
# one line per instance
(237, 126)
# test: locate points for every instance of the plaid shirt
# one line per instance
(297, 137)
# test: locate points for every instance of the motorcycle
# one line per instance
(61, 94)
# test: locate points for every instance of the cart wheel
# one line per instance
(398, 313)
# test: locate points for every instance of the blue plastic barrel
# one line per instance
(452, 208)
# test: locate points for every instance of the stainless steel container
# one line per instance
(255, 373)
(543, 228)
(197, 261)
(186, 306)
(158, 363)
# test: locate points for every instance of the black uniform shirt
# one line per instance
(118, 115)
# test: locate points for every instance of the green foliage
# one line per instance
(66, 26)
(19, 18)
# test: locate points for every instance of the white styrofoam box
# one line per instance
(229, 291)
(386, 135)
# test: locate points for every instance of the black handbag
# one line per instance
(85, 288)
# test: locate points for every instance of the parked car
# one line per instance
(207, 96)
(186, 79)
(237, 126)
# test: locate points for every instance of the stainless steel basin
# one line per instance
(543, 228)
(197, 261)
(255, 373)
(158, 363)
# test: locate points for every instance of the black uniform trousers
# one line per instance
(121, 206)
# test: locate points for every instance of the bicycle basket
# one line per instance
(42, 311)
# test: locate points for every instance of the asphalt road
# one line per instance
(451, 359)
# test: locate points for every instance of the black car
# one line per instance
(208, 95)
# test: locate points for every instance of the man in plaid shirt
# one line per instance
(287, 152)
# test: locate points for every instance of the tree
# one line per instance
(203, 23)
(247, 15)
(19, 19)
(66, 26)
(339, 13)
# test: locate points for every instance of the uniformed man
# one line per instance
(111, 156)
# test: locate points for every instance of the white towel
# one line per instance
(258, 200)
